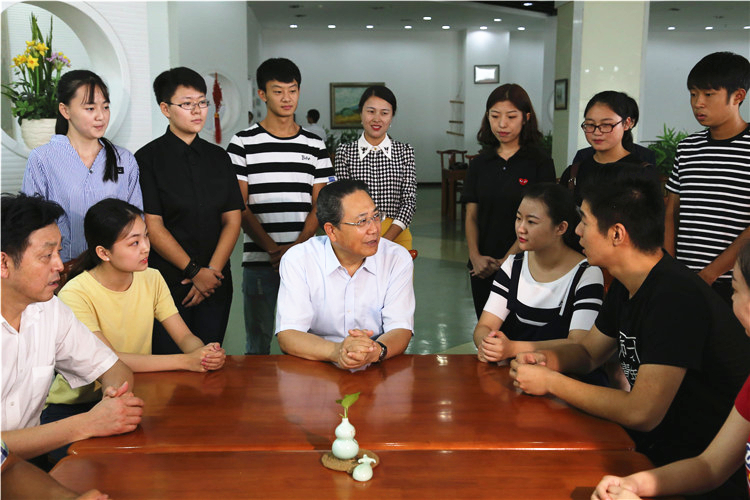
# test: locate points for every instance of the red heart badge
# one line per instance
(523, 182)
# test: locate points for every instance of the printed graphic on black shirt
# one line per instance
(629, 357)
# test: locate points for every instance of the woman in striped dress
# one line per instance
(79, 167)
(385, 165)
(548, 291)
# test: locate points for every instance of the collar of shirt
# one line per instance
(332, 263)
(364, 147)
(196, 145)
(64, 140)
(30, 313)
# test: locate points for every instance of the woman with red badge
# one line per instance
(511, 159)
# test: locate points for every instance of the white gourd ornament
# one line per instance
(345, 446)
(363, 472)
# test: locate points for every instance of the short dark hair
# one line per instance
(720, 70)
(165, 85)
(628, 194)
(380, 91)
(22, 215)
(517, 96)
(329, 207)
(314, 115)
(561, 207)
(279, 69)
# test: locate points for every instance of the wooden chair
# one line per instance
(452, 180)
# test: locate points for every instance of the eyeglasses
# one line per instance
(365, 222)
(604, 128)
(189, 106)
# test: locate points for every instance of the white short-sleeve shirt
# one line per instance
(318, 296)
(50, 338)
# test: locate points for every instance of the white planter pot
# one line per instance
(37, 132)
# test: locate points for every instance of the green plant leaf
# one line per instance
(348, 400)
(665, 148)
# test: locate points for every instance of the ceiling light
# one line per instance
(671, 28)
(527, 4)
(746, 28)
(521, 28)
(709, 27)
(369, 26)
(293, 26)
(446, 27)
(332, 26)
(483, 27)
(497, 19)
(427, 18)
(407, 27)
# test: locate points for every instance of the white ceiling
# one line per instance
(695, 16)
(391, 15)
(394, 15)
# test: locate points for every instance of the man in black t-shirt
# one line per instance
(682, 350)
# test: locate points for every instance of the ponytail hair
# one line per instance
(561, 206)
(104, 224)
(623, 106)
(67, 87)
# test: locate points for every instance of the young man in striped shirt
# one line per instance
(708, 200)
(280, 168)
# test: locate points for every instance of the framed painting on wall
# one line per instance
(487, 73)
(345, 104)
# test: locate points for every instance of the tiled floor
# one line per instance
(444, 318)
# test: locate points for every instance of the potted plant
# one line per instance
(345, 446)
(665, 149)
(333, 141)
(33, 95)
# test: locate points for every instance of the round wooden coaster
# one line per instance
(331, 462)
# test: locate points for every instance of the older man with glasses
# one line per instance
(346, 297)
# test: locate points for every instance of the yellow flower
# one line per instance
(19, 60)
(41, 48)
(32, 62)
(31, 43)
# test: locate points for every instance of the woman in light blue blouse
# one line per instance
(79, 167)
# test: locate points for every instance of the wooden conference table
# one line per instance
(444, 427)
(413, 474)
(411, 402)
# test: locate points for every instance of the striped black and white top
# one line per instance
(712, 179)
(280, 173)
(389, 172)
(534, 304)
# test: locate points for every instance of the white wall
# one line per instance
(670, 55)
(212, 37)
(482, 47)
(526, 65)
(418, 67)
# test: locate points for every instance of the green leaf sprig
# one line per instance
(347, 401)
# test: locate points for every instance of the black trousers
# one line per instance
(208, 320)
(480, 292)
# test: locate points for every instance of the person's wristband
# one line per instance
(383, 351)
(191, 270)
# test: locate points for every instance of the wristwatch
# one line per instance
(191, 270)
(383, 351)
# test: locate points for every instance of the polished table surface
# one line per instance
(414, 402)
(420, 474)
